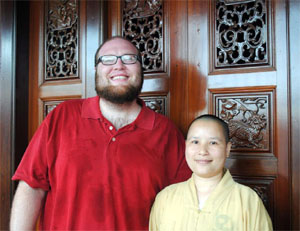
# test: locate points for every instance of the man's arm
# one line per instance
(26, 207)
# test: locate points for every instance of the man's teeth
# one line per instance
(119, 77)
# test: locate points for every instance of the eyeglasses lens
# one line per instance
(129, 59)
(109, 59)
(112, 59)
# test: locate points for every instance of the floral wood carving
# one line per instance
(143, 25)
(61, 39)
(157, 104)
(241, 33)
(248, 120)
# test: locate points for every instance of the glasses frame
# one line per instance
(138, 58)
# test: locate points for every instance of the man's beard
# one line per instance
(118, 94)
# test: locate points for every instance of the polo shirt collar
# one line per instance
(91, 110)
(146, 117)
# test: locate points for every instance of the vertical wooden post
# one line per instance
(7, 103)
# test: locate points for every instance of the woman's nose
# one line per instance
(202, 150)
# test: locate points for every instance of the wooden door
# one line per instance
(237, 69)
(224, 57)
(62, 48)
(238, 60)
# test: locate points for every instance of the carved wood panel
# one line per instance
(249, 115)
(61, 39)
(242, 34)
(49, 106)
(143, 24)
(156, 103)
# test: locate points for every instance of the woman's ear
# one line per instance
(228, 148)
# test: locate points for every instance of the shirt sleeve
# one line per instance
(33, 166)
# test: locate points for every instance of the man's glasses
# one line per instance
(112, 59)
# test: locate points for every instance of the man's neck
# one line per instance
(119, 114)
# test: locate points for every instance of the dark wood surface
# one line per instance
(178, 42)
(7, 84)
(22, 78)
(35, 64)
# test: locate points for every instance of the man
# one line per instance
(97, 163)
(210, 199)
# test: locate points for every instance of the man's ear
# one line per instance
(228, 148)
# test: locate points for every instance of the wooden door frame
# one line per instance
(7, 103)
(294, 126)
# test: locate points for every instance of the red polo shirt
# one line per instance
(98, 178)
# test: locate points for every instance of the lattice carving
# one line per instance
(157, 104)
(248, 118)
(61, 39)
(241, 33)
(143, 25)
(49, 106)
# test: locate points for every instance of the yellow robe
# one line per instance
(231, 206)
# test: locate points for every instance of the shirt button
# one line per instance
(111, 128)
(113, 139)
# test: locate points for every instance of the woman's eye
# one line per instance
(194, 141)
(213, 142)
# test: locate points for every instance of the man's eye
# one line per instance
(213, 142)
(195, 142)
